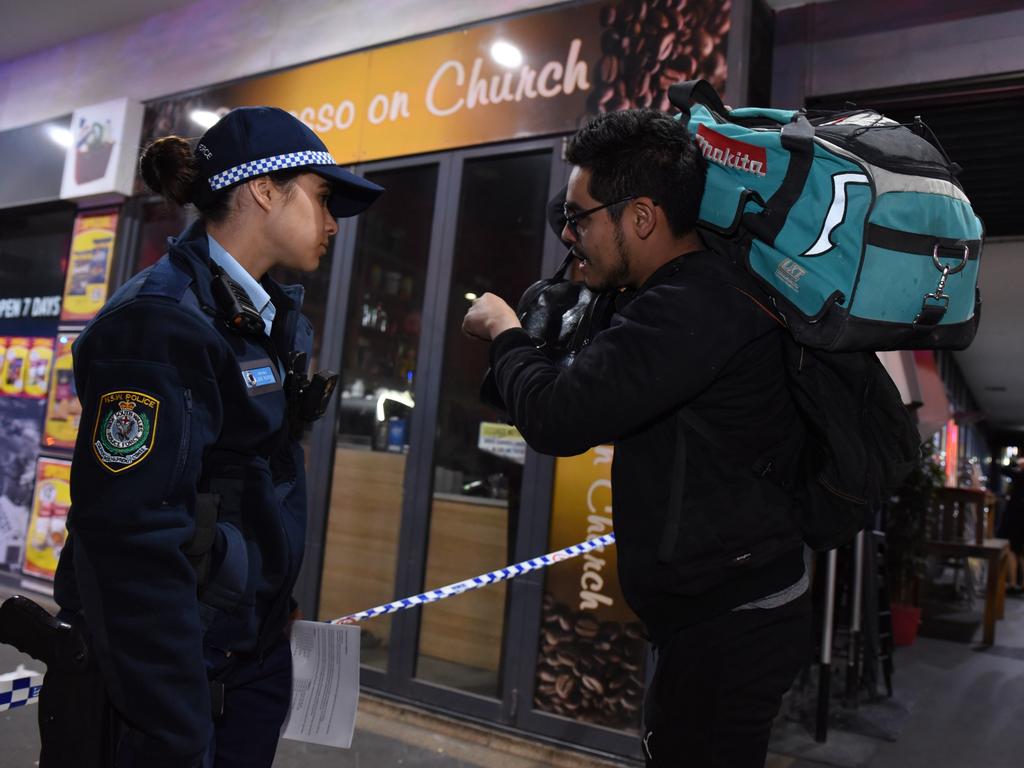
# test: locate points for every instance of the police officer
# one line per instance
(188, 511)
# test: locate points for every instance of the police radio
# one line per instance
(234, 303)
(308, 398)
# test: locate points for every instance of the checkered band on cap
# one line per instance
(268, 165)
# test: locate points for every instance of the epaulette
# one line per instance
(166, 278)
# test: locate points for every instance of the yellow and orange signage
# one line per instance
(63, 410)
(88, 275)
(533, 75)
(48, 523)
(581, 509)
(25, 366)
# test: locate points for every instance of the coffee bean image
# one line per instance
(648, 46)
(581, 674)
(608, 69)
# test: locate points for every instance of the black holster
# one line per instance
(78, 727)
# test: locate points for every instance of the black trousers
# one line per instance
(718, 686)
(256, 701)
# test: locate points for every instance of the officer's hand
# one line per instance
(488, 317)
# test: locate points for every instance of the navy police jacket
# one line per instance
(175, 406)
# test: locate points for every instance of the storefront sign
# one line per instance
(584, 613)
(63, 410)
(104, 150)
(533, 75)
(29, 307)
(88, 275)
(47, 526)
(582, 509)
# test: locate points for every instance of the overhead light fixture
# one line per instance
(60, 136)
(471, 297)
(204, 117)
(506, 54)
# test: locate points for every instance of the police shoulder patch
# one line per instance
(125, 429)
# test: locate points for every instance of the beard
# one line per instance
(616, 275)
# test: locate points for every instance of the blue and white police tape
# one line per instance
(19, 688)
(481, 581)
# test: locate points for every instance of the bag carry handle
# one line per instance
(780, 116)
(797, 137)
(683, 95)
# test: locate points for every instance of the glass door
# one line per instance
(477, 468)
(429, 486)
(380, 352)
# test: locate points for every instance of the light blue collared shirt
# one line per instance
(259, 297)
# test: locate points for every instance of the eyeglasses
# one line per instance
(572, 220)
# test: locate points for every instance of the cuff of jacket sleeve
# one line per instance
(508, 340)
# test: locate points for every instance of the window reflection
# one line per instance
(382, 334)
(477, 458)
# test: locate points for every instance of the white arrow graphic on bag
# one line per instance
(836, 211)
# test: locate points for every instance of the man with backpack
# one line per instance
(688, 382)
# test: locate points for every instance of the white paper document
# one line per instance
(325, 683)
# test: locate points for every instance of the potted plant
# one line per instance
(905, 543)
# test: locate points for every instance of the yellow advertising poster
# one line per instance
(584, 613)
(537, 74)
(582, 509)
(63, 410)
(25, 366)
(37, 373)
(88, 275)
(47, 525)
(14, 363)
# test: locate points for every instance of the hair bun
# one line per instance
(169, 169)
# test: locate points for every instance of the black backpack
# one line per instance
(861, 440)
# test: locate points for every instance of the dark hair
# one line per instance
(168, 167)
(642, 152)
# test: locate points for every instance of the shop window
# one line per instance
(379, 366)
(160, 221)
(34, 247)
(477, 460)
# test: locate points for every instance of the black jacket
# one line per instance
(208, 429)
(687, 338)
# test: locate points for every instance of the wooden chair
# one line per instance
(961, 524)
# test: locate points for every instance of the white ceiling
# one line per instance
(33, 25)
(994, 364)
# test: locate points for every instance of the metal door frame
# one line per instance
(514, 709)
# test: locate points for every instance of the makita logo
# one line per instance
(731, 153)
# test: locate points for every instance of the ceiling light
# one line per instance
(506, 54)
(471, 297)
(204, 117)
(59, 135)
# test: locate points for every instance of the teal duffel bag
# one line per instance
(853, 223)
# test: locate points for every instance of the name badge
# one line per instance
(260, 376)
